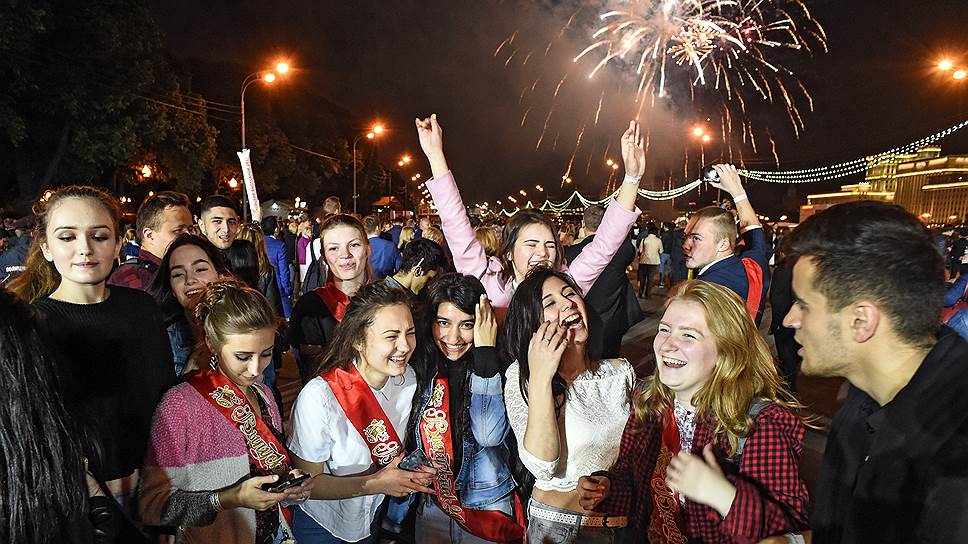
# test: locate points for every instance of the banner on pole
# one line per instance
(249, 180)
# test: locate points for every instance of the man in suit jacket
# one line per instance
(384, 257)
(609, 298)
(279, 259)
(710, 245)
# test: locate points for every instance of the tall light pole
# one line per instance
(377, 130)
(268, 77)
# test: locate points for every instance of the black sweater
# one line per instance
(115, 362)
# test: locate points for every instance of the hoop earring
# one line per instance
(213, 363)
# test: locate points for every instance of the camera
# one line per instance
(709, 174)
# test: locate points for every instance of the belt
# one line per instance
(554, 516)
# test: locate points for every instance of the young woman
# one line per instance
(190, 263)
(109, 341)
(349, 421)
(265, 273)
(461, 422)
(346, 250)
(244, 260)
(216, 441)
(567, 411)
(711, 453)
(530, 238)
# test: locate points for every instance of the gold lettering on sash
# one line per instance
(384, 449)
(434, 426)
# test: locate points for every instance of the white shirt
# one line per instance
(321, 433)
(590, 425)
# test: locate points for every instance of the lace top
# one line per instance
(590, 424)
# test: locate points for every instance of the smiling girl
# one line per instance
(346, 249)
(349, 421)
(530, 238)
(711, 453)
(114, 357)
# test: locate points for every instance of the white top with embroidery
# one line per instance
(321, 433)
(590, 424)
(686, 423)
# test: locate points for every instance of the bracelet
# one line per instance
(214, 502)
(631, 180)
(739, 198)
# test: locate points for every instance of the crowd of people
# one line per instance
(462, 383)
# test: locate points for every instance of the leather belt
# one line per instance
(612, 522)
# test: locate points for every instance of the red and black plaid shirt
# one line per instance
(771, 498)
(137, 275)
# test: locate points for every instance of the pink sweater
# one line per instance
(469, 257)
(195, 450)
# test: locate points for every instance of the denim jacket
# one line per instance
(484, 476)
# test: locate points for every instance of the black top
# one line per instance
(311, 322)
(898, 473)
(115, 362)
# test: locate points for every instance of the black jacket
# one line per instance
(898, 473)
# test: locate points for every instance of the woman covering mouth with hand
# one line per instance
(567, 410)
(461, 423)
(711, 453)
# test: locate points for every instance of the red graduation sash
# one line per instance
(665, 526)
(360, 406)
(491, 525)
(265, 450)
(335, 300)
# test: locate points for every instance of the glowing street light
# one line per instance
(539, 188)
(614, 166)
(377, 129)
(282, 67)
(698, 131)
(945, 65)
(959, 74)
(523, 193)
(146, 171)
(610, 162)
(269, 77)
(233, 183)
(706, 138)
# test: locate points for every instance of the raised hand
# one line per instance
(431, 136)
(393, 480)
(545, 350)
(701, 480)
(592, 490)
(485, 326)
(633, 153)
(728, 179)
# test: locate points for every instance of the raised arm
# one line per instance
(729, 181)
(619, 216)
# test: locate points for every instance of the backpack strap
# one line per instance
(755, 408)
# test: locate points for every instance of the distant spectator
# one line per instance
(161, 218)
(384, 257)
(331, 206)
(219, 220)
(422, 260)
(434, 234)
(488, 240)
(406, 236)
(276, 253)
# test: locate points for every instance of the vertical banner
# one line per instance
(249, 180)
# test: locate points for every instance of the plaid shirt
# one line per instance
(771, 498)
(138, 274)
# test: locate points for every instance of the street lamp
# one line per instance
(959, 74)
(267, 77)
(945, 65)
(377, 129)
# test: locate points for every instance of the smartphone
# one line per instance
(279, 487)
(415, 460)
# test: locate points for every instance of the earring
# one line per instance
(214, 363)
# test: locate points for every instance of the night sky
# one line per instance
(876, 88)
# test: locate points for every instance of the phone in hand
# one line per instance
(279, 487)
(415, 460)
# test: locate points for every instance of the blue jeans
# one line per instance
(307, 531)
(664, 266)
(549, 532)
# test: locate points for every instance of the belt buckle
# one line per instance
(605, 522)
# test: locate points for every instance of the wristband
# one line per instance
(739, 198)
(631, 180)
(214, 502)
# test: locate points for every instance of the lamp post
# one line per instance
(268, 77)
(377, 130)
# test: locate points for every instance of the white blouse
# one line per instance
(321, 433)
(590, 424)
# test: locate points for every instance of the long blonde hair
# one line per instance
(745, 370)
(41, 278)
(253, 233)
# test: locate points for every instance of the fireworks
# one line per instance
(722, 45)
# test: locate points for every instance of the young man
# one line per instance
(710, 245)
(384, 257)
(868, 286)
(161, 219)
(219, 221)
(276, 251)
(421, 261)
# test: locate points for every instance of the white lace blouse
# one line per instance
(590, 424)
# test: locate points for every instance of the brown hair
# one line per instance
(151, 209)
(488, 240)
(252, 233)
(344, 220)
(509, 236)
(434, 235)
(228, 306)
(41, 277)
(723, 222)
(351, 331)
(745, 370)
